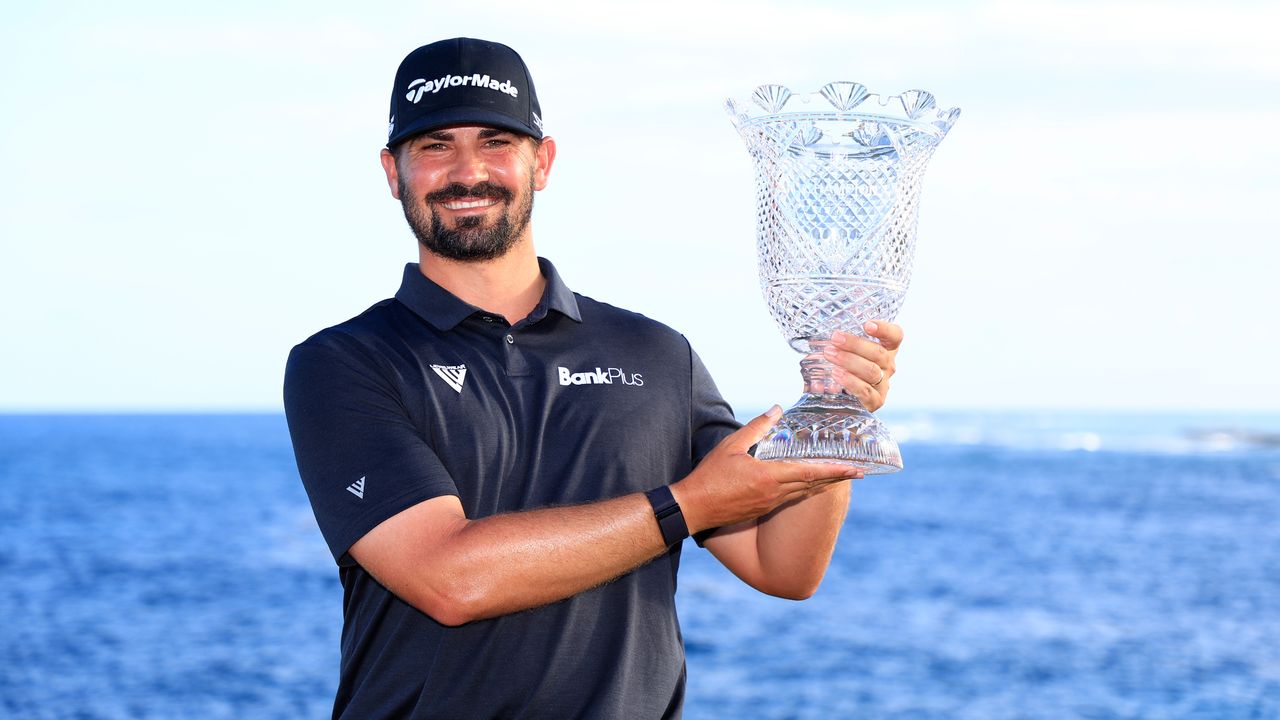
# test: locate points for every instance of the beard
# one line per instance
(471, 240)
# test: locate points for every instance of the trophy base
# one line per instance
(832, 429)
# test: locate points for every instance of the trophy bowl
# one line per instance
(838, 176)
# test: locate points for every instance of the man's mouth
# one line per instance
(459, 198)
(468, 204)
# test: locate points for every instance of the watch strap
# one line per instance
(667, 511)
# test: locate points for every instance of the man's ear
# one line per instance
(393, 173)
(543, 159)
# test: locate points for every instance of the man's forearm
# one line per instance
(532, 558)
(512, 562)
(475, 569)
(786, 551)
(458, 570)
(795, 541)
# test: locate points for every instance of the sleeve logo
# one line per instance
(357, 488)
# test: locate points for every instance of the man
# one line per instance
(503, 469)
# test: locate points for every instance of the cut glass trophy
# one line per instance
(838, 176)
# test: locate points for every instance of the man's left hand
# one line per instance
(863, 367)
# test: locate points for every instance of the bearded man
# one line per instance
(505, 470)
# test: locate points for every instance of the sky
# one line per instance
(187, 193)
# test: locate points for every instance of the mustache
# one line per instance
(458, 191)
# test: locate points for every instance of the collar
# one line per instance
(444, 310)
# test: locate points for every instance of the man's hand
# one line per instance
(729, 486)
(863, 367)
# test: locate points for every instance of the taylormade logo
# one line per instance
(599, 377)
(422, 86)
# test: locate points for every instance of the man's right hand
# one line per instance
(729, 486)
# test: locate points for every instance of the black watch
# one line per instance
(667, 511)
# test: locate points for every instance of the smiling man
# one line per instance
(505, 470)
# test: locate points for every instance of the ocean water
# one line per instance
(1022, 566)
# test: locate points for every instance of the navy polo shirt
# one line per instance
(424, 395)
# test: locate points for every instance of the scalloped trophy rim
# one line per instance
(842, 100)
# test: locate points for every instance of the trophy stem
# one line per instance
(817, 372)
(828, 426)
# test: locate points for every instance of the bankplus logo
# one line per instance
(600, 376)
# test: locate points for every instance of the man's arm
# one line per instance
(458, 570)
(786, 552)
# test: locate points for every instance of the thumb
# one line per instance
(754, 431)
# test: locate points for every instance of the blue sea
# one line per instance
(1023, 566)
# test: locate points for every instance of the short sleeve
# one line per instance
(712, 420)
(711, 417)
(361, 458)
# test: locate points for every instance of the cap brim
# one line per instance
(445, 117)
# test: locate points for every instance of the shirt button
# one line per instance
(511, 340)
(488, 319)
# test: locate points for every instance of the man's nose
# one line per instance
(469, 168)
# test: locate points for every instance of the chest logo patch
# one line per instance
(452, 374)
(605, 376)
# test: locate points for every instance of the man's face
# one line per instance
(467, 192)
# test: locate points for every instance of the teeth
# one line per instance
(463, 205)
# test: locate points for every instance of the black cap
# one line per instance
(463, 82)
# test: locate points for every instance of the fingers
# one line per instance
(797, 481)
(862, 357)
(754, 431)
(812, 475)
(889, 334)
(730, 486)
(863, 347)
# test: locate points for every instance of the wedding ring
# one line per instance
(877, 382)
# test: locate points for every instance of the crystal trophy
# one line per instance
(838, 176)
